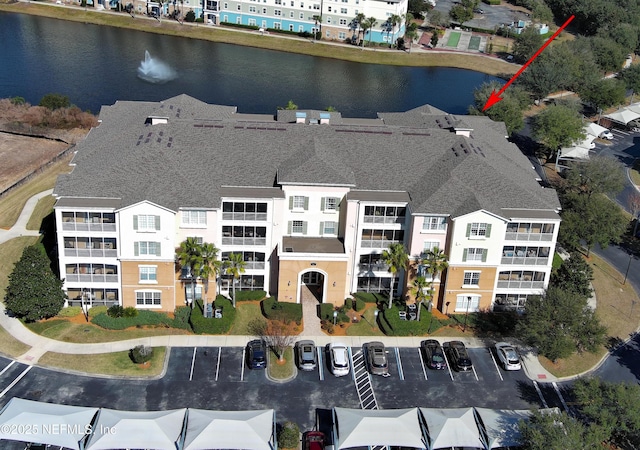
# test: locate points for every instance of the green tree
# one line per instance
(631, 77)
(527, 43)
(612, 407)
(574, 275)
(394, 20)
(460, 13)
(541, 12)
(210, 265)
(545, 75)
(557, 126)
(437, 19)
(317, 18)
(368, 25)
(598, 175)
(418, 7)
(359, 20)
(559, 323)
(397, 259)
(422, 290)
(551, 431)
(608, 54)
(510, 110)
(189, 258)
(34, 291)
(55, 101)
(190, 16)
(603, 93)
(234, 266)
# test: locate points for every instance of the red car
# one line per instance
(313, 440)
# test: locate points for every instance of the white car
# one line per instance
(339, 357)
(508, 356)
(606, 135)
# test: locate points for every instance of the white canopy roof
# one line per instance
(251, 430)
(594, 129)
(501, 426)
(623, 115)
(574, 152)
(635, 107)
(367, 428)
(157, 430)
(45, 423)
(454, 427)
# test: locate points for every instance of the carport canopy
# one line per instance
(501, 426)
(454, 427)
(158, 430)
(623, 116)
(594, 129)
(45, 423)
(368, 428)
(253, 430)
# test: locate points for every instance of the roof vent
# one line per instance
(301, 117)
(324, 118)
(155, 120)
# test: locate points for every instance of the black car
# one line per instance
(433, 354)
(257, 354)
(458, 355)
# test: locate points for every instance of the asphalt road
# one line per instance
(493, 16)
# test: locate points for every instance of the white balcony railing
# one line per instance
(546, 237)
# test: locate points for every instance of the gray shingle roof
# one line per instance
(185, 162)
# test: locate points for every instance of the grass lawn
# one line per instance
(281, 371)
(454, 38)
(474, 43)
(254, 39)
(10, 253)
(635, 176)
(616, 309)
(43, 208)
(10, 346)
(12, 204)
(366, 327)
(117, 363)
(245, 313)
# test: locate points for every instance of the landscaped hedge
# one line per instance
(287, 312)
(371, 297)
(181, 317)
(144, 318)
(358, 304)
(392, 325)
(250, 295)
(326, 313)
(203, 325)
(239, 25)
(491, 2)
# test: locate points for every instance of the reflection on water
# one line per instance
(96, 65)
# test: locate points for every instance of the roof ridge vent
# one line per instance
(156, 120)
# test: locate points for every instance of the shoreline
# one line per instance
(326, 49)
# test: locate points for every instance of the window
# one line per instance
(384, 214)
(478, 230)
(297, 226)
(145, 248)
(301, 4)
(194, 218)
(328, 228)
(148, 274)
(434, 223)
(301, 28)
(343, 10)
(328, 19)
(148, 298)
(292, 4)
(328, 33)
(226, 6)
(474, 254)
(430, 245)
(239, 7)
(143, 222)
(252, 9)
(188, 291)
(264, 11)
(277, 25)
(277, 12)
(298, 202)
(467, 303)
(376, 284)
(342, 34)
(381, 238)
(343, 22)
(291, 25)
(471, 278)
(329, 9)
(316, 6)
(278, 2)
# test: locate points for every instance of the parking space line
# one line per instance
(400, 371)
(564, 404)
(446, 358)
(320, 364)
(544, 402)
(242, 366)
(474, 372)
(218, 363)
(7, 368)
(620, 132)
(14, 382)
(193, 361)
(424, 370)
(495, 364)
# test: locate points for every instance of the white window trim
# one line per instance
(471, 272)
(478, 236)
(141, 281)
(186, 221)
(466, 307)
(330, 210)
(430, 229)
(148, 306)
(476, 257)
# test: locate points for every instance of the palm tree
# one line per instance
(234, 267)
(210, 265)
(318, 20)
(422, 289)
(397, 259)
(360, 17)
(435, 261)
(370, 23)
(393, 20)
(189, 256)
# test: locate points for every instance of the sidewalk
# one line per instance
(41, 345)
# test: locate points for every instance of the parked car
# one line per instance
(458, 356)
(257, 354)
(306, 355)
(376, 356)
(339, 358)
(478, 11)
(508, 356)
(313, 440)
(606, 135)
(433, 354)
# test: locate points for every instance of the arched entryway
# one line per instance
(312, 286)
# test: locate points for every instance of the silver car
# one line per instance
(306, 354)
(377, 358)
(508, 356)
(339, 358)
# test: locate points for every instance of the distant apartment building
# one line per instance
(310, 199)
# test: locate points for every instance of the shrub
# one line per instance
(181, 317)
(286, 312)
(491, 2)
(371, 297)
(141, 354)
(203, 325)
(115, 311)
(239, 25)
(190, 16)
(129, 311)
(144, 318)
(392, 325)
(289, 435)
(359, 304)
(348, 304)
(250, 295)
(55, 101)
(326, 311)
(70, 311)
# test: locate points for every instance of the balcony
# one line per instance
(248, 216)
(520, 284)
(88, 226)
(381, 243)
(525, 260)
(244, 241)
(375, 267)
(91, 252)
(384, 219)
(91, 278)
(211, 6)
(533, 237)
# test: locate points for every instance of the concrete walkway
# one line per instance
(41, 345)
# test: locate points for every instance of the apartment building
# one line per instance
(310, 199)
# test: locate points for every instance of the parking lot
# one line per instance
(218, 378)
(493, 16)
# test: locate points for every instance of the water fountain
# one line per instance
(153, 70)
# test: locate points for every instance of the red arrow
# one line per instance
(495, 97)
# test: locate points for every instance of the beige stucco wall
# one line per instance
(334, 271)
(454, 287)
(165, 284)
